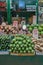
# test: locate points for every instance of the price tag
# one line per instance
(15, 24)
(35, 33)
(34, 20)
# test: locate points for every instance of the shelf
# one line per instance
(24, 11)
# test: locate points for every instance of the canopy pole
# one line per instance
(37, 11)
(8, 12)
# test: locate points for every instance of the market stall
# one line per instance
(21, 9)
(21, 42)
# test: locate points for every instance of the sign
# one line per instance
(15, 24)
(34, 19)
(35, 33)
(2, 4)
(31, 7)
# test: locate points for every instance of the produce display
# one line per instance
(5, 40)
(39, 47)
(22, 44)
(13, 42)
(9, 29)
(39, 27)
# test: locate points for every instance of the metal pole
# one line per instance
(8, 12)
(37, 11)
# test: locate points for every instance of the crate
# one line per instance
(27, 54)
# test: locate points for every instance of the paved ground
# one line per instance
(15, 60)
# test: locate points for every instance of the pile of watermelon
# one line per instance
(39, 27)
(22, 44)
(5, 40)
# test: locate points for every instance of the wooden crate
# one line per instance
(29, 54)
